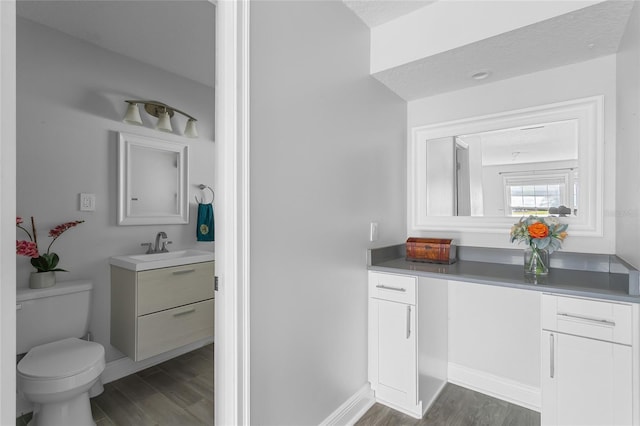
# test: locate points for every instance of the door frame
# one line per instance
(232, 246)
(7, 212)
(232, 171)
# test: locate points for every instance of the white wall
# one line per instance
(327, 157)
(69, 110)
(627, 211)
(590, 78)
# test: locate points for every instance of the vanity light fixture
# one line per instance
(164, 113)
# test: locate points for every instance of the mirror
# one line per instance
(522, 171)
(480, 173)
(152, 181)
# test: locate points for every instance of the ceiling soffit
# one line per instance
(578, 36)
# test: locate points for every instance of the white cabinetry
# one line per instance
(394, 335)
(589, 362)
(158, 310)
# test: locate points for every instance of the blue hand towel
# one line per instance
(205, 231)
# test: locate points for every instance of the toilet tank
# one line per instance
(45, 315)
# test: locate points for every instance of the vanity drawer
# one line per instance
(596, 319)
(396, 288)
(163, 331)
(161, 289)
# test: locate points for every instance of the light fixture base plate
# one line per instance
(158, 108)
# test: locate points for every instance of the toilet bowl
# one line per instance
(57, 377)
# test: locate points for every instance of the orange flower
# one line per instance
(562, 236)
(538, 230)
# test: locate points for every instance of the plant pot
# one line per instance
(536, 261)
(42, 279)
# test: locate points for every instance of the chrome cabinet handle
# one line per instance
(408, 321)
(594, 320)
(188, 311)
(384, 287)
(552, 358)
(184, 271)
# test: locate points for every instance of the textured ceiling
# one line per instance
(574, 37)
(176, 36)
(376, 12)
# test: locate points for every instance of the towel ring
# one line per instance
(202, 188)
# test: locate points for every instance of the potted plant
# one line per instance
(46, 264)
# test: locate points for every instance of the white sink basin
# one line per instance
(144, 262)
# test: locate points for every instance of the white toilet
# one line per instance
(59, 370)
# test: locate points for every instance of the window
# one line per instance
(534, 194)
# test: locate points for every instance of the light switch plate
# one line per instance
(87, 202)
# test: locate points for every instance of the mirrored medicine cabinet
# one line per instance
(153, 179)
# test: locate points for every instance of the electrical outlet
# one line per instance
(87, 202)
(373, 231)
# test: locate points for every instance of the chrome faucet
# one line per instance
(156, 248)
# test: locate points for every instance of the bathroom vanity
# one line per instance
(156, 310)
(567, 345)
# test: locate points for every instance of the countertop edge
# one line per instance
(530, 287)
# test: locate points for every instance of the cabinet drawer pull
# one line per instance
(188, 311)
(384, 287)
(552, 358)
(408, 321)
(594, 320)
(184, 271)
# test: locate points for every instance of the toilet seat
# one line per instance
(60, 366)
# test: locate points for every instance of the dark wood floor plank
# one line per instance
(176, 390)
(121, 410)
(105, 422)
(202, 410)
(456, 406)
(165, 412)
(203, 385)
(134, 387)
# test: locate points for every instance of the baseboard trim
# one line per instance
(496, 386)
(123, 367)
(352, 409)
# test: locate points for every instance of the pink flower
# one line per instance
(19, 220)
(27, 248)
(58, 230)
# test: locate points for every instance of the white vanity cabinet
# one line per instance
(158, 310)
(589, 372)
(393, 361)
(397, 333)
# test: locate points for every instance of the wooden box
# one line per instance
(432, 250)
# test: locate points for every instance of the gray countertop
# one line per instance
(586, 283)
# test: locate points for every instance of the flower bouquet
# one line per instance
(45, 263)
(543, 236)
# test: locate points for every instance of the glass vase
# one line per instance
(536, 261)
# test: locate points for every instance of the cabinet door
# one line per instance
(394, 352)
(585, 381)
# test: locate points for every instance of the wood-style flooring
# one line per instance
(456, 406)
(178, 392)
